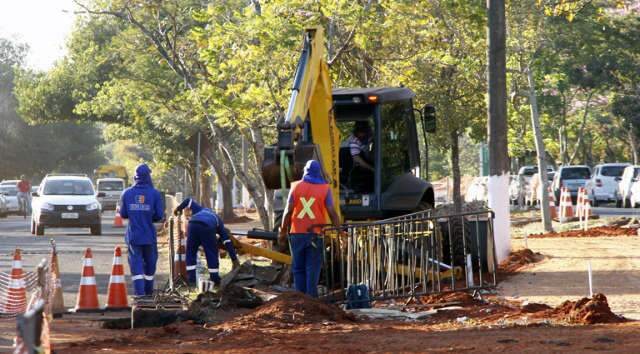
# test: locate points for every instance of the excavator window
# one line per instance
(395, 117)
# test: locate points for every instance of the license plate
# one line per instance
(69, 215)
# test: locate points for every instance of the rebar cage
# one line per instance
(412, 255)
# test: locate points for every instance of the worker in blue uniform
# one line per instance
(202, 228)
(142, 205)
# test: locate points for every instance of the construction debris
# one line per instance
(588, 311)
(600, 231)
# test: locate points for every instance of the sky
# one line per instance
(42, 24)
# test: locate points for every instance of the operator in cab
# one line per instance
(202, 228)
(309, 202)
(362, 173)
(142, 205)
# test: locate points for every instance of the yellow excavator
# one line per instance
(318, 117)
(321, 123)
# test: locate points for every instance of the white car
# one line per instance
(10, 193)
(4, 209)
(112, 189)
(477, 190)
(65, 200)
(623, 194)
(603, 184)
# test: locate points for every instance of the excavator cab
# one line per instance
(391, 148)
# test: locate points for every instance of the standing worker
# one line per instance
(308, 203)
(203, 226)
(142, 205)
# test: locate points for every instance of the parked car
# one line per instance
(602, 186)
(9, 182)
(10, 192)
(66, 201)
(524, 181)
(112, 189)
(623, 193)
(571, 177)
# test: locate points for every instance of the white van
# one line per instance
(112, 189)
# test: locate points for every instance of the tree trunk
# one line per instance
(226, 184)
(205, 185)
(541, 153)
(455, 170)
(581, 131)
(497, 130)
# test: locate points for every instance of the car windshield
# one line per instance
(530, 171)
(612, 171)
(11, 191)
(575, 173)
(110, 186)
(68, 187)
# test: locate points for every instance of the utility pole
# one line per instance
(497, 130)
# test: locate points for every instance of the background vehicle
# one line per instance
(572, 177)
(603, 184)
(10, 192)
(111, 171)
(623, 193)
(477, 190)
(66, 201)
(112, 189)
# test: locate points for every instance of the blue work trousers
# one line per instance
(306, 250)
(200, 234)
(142, 263)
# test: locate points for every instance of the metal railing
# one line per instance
(412, 255)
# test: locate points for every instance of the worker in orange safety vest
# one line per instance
(309, 202)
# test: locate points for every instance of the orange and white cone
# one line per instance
(552, 205)
(16, 299)
(566, 208)
(117, 220)
(88, 291)
(580, 201)
(117, 293)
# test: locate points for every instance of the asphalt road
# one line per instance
(611, 211)
(71, 244)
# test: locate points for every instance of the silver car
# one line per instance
(10, 193)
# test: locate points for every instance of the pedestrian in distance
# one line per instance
(142, 205)
(309, 202)
(202, 228)
(24, 195)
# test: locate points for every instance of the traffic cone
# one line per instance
(117, 220)
(566, 208)
(117, 293)
(16, 299)
(552, 205)
(88, 291)
(57, 300)
(580, 201)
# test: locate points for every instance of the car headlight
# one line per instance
(93, 206)
(46, 206)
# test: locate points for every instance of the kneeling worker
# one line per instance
(308, 203)
(201, 230)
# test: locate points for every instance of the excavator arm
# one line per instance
(308, 130)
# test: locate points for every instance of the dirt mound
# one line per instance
(533, 307)
(519, 259)
(600, 231)
(460, 297)
(293, 308)
(587, 311)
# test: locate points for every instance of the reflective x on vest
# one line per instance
(306, 208)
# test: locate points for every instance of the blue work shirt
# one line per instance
(142, 205)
